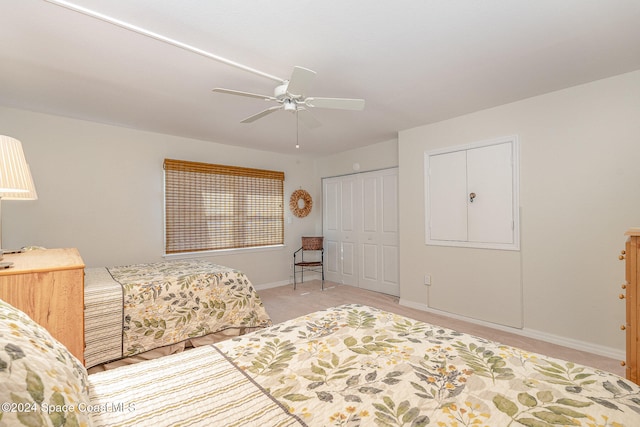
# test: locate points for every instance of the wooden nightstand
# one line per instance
(48, 285)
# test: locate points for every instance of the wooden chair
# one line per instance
(309, 244)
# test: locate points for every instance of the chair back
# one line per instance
(312, 243)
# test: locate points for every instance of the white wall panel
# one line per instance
(390, 205)
(390, 258)
(370, 204)
(330, 196)
(331, 257)
(349, 263)
(369, 265)
(346, 207)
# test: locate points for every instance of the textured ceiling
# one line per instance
(414, 62)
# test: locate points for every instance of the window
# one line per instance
(209, 207)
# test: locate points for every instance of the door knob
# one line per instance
(472, 196)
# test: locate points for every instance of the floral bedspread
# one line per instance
(355, 365)
(169, 302)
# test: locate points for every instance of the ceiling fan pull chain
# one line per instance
(297, 130)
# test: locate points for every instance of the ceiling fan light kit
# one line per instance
(289, 105)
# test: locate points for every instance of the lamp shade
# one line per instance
(24, 195)
(15, 176)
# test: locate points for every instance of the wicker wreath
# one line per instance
(294, 203)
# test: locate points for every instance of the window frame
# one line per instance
(241, 184)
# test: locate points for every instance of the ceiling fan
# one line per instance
(291, 96)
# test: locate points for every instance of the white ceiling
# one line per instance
(413, 61)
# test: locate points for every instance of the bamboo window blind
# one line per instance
(210, 207)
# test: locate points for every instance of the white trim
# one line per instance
(264, 286)
(600, 350)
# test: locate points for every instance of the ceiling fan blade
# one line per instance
(300, 80)
(247, 94)
(261, 114)
(308, 119)
(337, 103)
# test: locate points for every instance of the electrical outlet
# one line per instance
(427, 279)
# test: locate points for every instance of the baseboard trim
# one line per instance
(600, 350)
(272, 285)
(311, 276)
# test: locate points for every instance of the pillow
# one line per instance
(42, 383)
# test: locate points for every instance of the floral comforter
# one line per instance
(169, 302)
(355, 365)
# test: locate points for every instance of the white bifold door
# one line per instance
(360, 228)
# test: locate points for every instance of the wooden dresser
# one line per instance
(48, 285)
(631, 254)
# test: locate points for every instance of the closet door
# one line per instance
(339, 230)
(331, 226)
(360, 227)
(378, 232)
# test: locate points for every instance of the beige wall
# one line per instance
(382, 155)
(579, 192)
(100, 190)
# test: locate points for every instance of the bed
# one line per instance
(346, 366)
(141, 311)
